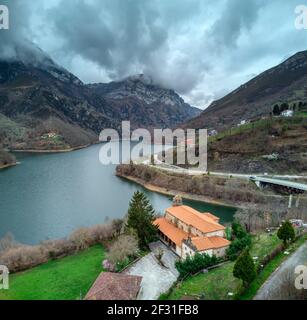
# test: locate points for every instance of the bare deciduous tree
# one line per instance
(124, 247)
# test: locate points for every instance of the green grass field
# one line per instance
(216, 284)
(269, 269)
(68, 278)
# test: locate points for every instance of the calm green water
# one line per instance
(48, 196)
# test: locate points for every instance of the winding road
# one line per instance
(274, 285)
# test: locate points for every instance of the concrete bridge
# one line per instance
(283, 186)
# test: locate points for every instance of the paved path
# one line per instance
(156, 278)
(271, 288)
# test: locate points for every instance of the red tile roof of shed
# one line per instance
(115, 286)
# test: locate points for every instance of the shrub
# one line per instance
(103, 232)
(242, 240)
(19, 257)
(59, 248)
(267, 258)
(195, 264)
(237, 230)
(24, 257)
(124, 247)
(7, 242)
(228, 233)
(117, 225)
(236, 247)
(81, 238)
(286, 232)
(108, 265)
(244, 268)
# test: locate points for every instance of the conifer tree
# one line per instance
(286, 232)
(140, 219)
(244, 268)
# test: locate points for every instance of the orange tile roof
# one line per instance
(192, 217)
(206, 243)
(171, 231)
(210, 215)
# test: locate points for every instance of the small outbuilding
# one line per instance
(115, 286)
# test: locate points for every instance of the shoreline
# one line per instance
(172, 193)
(51, 151)
(9, 165)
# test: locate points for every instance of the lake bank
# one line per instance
(9, 165)
(172, 193)
(219, 190)
(51, 150)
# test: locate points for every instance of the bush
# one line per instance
(286, 232)
(242, 240)
(237, 246)
(19, 257)
(59, 248)
(24, 257)
(7, 242)
(195, 264)
(123, 248)
(237, 230)
(244, 268)
(267, 258)
(81, 238)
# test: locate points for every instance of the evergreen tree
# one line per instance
(294, 107)
(286, 232)
(284, 106)
(276, 110)
(244, 268)
(140, 219)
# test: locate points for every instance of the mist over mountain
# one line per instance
(284, 83)
(43, 106)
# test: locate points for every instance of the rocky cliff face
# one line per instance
(140, 100)
(40, 100)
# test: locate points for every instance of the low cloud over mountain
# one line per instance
(201, 49)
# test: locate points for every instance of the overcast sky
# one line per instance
(201, 48)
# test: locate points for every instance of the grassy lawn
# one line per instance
(269, 269)
(216, 284)
(263, 244)
(63, 279)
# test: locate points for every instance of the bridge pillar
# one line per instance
(297, 201)
(258, 184)
(290, 201)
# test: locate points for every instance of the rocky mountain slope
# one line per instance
(141, 101)
(43, 106)
(286, 82)
(275, 146)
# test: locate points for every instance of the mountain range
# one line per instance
(284, 83)
(43, 106)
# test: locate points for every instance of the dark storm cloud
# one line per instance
(17, 33)
(201, 48)
(16, 42)
(120, 36)
(237, 16)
